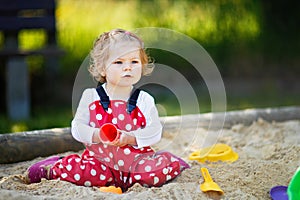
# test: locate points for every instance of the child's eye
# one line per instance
(117, 62)
(135, 62)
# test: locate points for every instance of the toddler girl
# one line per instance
(118, 60)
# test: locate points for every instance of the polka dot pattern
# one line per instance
(165, 171)
(64, 175)
(93, 172)
(109, 110)
(121, 163)
(168, 177)
(142, 162)
(148, 168)
(116, 114)
(93, 124)
(103, 167)
(134, 121)
(137, 177)
(77, 177)
(114, 120)
(103, 164)
(102, 177)
(128, 127)
(87, 184)
(99, 117)
(111, 155)
(127, 151)
(121, 117)
(145, 173)
(91, 153)
(92, 107)
(69, 167)
(82, 170)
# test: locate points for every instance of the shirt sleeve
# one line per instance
(80, 128)
(152, 133)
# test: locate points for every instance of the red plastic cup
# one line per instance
(109, 133)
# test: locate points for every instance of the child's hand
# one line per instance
(123, 140)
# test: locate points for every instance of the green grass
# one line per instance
(242, 103)
(212, 23)
(80, 22)
(42, 118)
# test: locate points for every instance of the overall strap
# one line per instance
(132, 100)
(104, 99)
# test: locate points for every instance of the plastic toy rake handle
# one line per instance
(206, 175)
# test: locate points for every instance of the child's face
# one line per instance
(124, 67)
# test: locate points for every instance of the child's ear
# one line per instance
(102, 73)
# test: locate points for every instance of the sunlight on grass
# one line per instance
(42, 118)
(19, 127)
(209, 22)
(80, 22)
(32, 39)
(205, 21)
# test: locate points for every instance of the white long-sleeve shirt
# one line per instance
(149, 135)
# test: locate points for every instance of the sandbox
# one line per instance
(266, 140)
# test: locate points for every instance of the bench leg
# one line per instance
(53, 81)
(17, 89)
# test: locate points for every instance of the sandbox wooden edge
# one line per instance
(16, 147)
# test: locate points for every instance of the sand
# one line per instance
(268, 156)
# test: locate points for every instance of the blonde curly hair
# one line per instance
(100, 52)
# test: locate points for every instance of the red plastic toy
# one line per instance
(109, 133)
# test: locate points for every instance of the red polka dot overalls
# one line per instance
(104, 165)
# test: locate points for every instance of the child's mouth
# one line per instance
(126, 76)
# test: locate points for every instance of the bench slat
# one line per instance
(50, 51)
(17, 24)
(6, 5)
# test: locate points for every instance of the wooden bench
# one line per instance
(15, 16)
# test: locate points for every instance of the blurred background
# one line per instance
(255, 45)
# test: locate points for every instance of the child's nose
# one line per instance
(127, 67)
